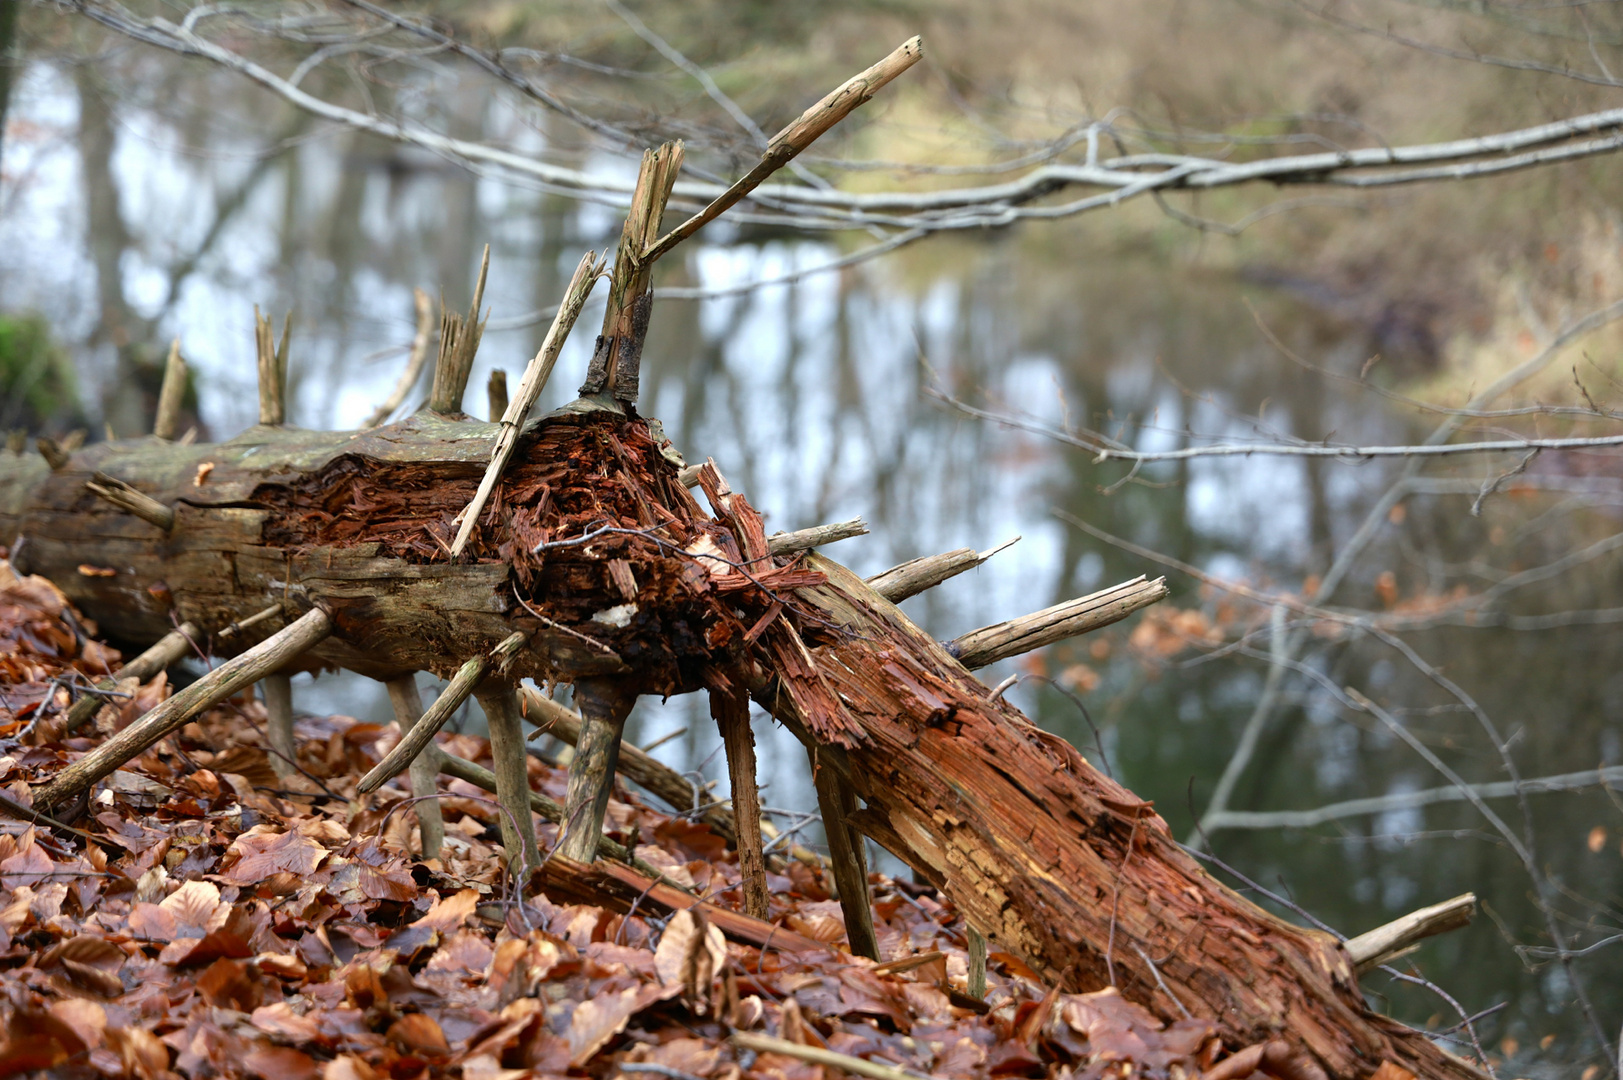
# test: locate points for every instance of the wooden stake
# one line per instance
(496, 394)
(1370, 950)
(529, 390)
(172, 395)
(616, 359)
(272, 369)
(783, 147)
(913, 577)
(731, 712)
(837, 802)
(605, 702)
(512, 779)
(460, 688)
(131, 501)
(459, 343)
(977, 964)
(169, 648)
(414, 362)
(229, 678)
(277, 691)
(986, 646)
(408, 712)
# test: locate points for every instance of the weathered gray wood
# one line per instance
(407, 702)
(227, 679)
(926, 572)
(172, 395)
(277, 691)
(731, 711)
(459, 343)
(132, 501)
(1383, 944)
(836, 801)
(501, 707)
(604, 705)
(986, 646)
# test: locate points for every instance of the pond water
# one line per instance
(813, 399)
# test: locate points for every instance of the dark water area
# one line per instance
(124, 229)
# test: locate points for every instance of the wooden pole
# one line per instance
(221, 683)
(836, 801)
(277, 691)
(407, 702)
(731, 711)
(512, 778)
(172, 395)
(604, 702)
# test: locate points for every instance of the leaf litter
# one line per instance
(206, 922)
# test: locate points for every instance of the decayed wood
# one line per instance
(458, 690)
(986, 646)
(407, 702)
(168, 649)
(55, 455)
(615, 359)
(277, 691)
(731, 711)
(837, 802)
(459, 343)
(171, 395)
(926, 572)
(1383, 944)
(512, 777)
(224, 681)
(604, 705)
(496, 394)
(131, 501)
(785, 543)
(272, 369)
(804, 131)
(529, 391)
(1059, 864)
(977, 964)
(414, 361)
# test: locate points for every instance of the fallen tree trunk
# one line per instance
(1051, 860)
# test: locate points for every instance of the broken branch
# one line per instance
(172, 395)
(804, 539)
(229, 678)
(989, 644)
(131, 501)
(926, 572)
(1385, 943)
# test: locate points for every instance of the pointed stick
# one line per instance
(459, 343)
(731, 712)
(986, 646)
(172, 395)
(131, 501)
(272, 369)
(1384, 943)
(277, 691)
(298, 637)
(512, 779)
(604, 705)
(529, 390)
(616, 359)
(414, 363)
(913, 577)
(977, 964)
(408, 711)
(783, 147)
(496, 394)
(837, 802)
(460, 688)
(170, 648)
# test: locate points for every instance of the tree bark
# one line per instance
(1050, 859)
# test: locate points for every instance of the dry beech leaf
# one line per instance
(279, 1063)
(691, 953)
(419, 1034)
(597, 1021)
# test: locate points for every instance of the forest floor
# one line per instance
(204, 918)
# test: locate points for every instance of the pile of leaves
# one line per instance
(204, 919)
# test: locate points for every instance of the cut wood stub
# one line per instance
(604, 704)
